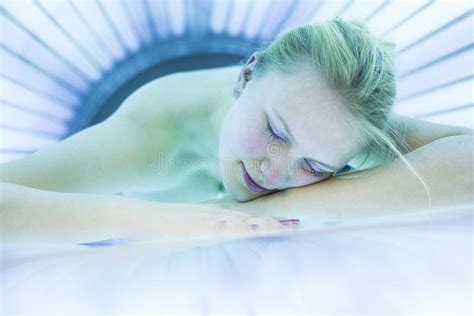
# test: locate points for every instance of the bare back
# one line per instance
(184, 110)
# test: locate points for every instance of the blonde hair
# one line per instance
(357, 65)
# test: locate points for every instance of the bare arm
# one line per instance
(100, 159)
(445, 164)
(33, 215)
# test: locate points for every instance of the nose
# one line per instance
(275, 172)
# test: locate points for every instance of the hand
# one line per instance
(178, 220)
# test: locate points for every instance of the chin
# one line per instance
(232, 187)
(244, 196)
(241, 198)
(232, 181)
(235, 191)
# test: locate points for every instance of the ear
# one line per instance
(245, 74)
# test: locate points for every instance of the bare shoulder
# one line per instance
(420, 132)
(178, 94)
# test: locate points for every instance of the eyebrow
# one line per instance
(288, 132)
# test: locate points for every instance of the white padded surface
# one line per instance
(419, 263)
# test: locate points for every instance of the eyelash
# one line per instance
(314, 172)
(276, 137)
(272, 133)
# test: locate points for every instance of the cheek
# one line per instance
(251, 142)
(243, 133)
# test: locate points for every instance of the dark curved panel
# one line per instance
(157, 61)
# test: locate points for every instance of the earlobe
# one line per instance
(245, 74)
(238, 88)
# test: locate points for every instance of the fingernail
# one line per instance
(293, 220)
(289, 222)
(254, 226)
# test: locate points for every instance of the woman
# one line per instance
(307, 130)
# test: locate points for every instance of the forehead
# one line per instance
(313, 113)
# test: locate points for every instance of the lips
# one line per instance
(251, 185)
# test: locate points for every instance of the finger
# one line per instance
(255, 224)
(268, 223)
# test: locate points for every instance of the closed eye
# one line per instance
(272, 134)
(314, 171)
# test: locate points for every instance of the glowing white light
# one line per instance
(37, 22)
(20, 43)
(10, 139)
(463, 117)
(176, 14)
(91, 12)
(447, 41)
(360, 10)
(64, 13)
(160, 16)
(303, 11)
(136, 10)
(316, 269)
(445, 98)
(218, 15)
(239, 17)
(328, 10)
(16, 94)
(276, 18)
(10, 116)
(427, 21)
(24, 73)
(122, 23)
(256, 18)
(392, 14)
(4, 157)
(449, 70)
